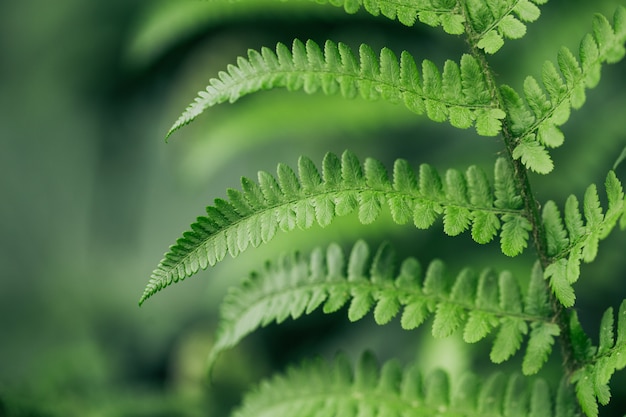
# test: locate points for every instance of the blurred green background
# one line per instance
(91, 196)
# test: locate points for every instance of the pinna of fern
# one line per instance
(534, 123)
(477, 304)
(253, 216)
(338, 389)
(598, 363)
(570, 240)
(459, 93)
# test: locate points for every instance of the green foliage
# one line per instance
(566, 251)
(474, 303)
(599, 363)
(338, 390)
(289, 201)
(459, 94)
(536, 123)
(509, 311)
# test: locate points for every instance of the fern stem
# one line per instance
(531, 205)
(532, 208)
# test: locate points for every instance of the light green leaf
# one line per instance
(527, 11)
(515, 234)
(550, 135)
(556, 236)
(370, 206)
(362, 302)
(485, 226)
(607, 336)
(511, 28)
(453, 23)
(479, 325)
(508, 339)
(448, 318)
(386, 308)
(534, 156)
(559, 282)
(491, 42)
(489, 122)
(539, 346)
(585, 391)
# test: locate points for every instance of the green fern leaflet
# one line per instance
(288, 201)
(460, 94)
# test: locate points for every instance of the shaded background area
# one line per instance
(91, 196)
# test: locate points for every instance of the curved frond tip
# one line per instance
(490, 22)
(479, 304)
(459, 94)
(367, 389)
(535, 120)
(572, 240)
(288, 201)
(599, 363)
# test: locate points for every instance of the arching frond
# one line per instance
(459, 94)
(478, 304)
(492, 21)
(253, 216)
(318, 388)
(599, 363)
(536, 121)
(570, 240)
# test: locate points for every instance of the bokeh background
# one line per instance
(91, 195)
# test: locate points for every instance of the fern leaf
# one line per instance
(515, 234)
(492, 21)
(537, 127)
(255, 214)
(485, 224)
(336, 70)
(592, 378)
(539, 346)
(476, 303)
(557, 273)
(570, 239)
(317, 387)
(505, 187)
(556, 236)
(533, 155)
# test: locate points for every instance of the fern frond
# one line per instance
(478, 304)
(492, 21)
(570, 240)
(599, 364)
(254, 215)
(457, 95)
(536, 121)
(336, 389)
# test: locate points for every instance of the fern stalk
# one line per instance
(531, 208)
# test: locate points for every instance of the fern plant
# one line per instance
(528, 314)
